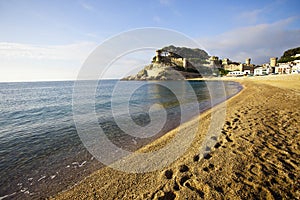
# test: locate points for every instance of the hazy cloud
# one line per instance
(251, 16)
(77, 51)
(86, 6)
(260, 42)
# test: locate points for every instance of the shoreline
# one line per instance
(197, 179)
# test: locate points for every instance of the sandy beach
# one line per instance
(256, 155)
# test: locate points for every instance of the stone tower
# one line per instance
(214, 60)
(225, 61)
(273, 62)
(248, 61)
(157, 55)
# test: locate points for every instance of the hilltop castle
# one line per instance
(170, 58)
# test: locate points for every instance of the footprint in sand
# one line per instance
(210, 167)
(176, 186)
(207, 156)
(183, 180)
(183, 168)
(196, 158)
(169, 174)
(235, 120)
(199, 192)
(167, 196)
(228, 139)
(219, 189)
(217, 145)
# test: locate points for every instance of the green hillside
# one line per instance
(288, 55)
(196, 56)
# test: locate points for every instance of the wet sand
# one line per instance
(256, 156)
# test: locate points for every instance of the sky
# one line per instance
(50, 40)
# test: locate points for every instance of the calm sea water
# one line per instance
(40, 150)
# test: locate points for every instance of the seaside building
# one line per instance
(233, 66)
(258, 71)
(236, 73)
(295, 69)
(248, 69)
(261, 71)
(296, 61)
(283, 68)
(297, 55)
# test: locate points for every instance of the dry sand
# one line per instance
(255, 157)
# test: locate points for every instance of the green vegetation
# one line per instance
(198, 61)
(191, 54)
(223, 72)
(288, 59)
(288, 55)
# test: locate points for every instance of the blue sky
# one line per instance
(49, 40)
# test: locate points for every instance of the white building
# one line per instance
(258, 71)
(236, 73)
(261, 71)
(295, 69)
(296, 61)
(247, 71)
(283, 68)
(297, 55)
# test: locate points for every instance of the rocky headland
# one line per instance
(174, 63)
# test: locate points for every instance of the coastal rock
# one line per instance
(157, 71)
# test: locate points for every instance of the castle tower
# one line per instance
(157, 55)
(213, 60)
(225, 61)
(273, 62)
(248, 61)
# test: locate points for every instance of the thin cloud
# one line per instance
(76, 51)
(260, 42)
(87, 6)
(252, 16)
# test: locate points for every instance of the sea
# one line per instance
(41, 152)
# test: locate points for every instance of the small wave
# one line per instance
(78, 164)
(8, 195)
(41, 178)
